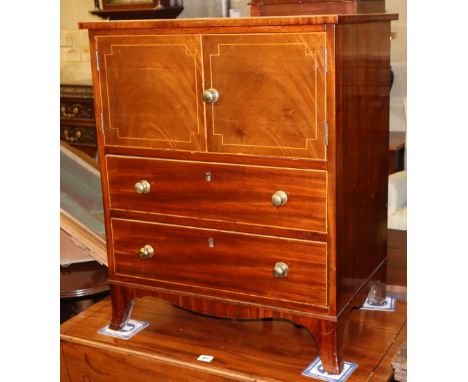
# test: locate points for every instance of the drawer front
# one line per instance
(274, 102)
(222, 262)
(220, 192)
(78, 134)
(150, 88)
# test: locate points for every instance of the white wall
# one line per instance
(75, 67)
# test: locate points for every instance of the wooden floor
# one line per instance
(254, 350)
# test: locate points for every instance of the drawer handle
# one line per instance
(279, 198)
(210, 96)
(280, 270)
(70, 138)
(142, 187)
(146, 252)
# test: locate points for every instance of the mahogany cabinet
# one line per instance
(244, 164)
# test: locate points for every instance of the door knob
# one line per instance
(210, 95)
(142, 187)
(280, 270)
(279, 198)
(146, 252)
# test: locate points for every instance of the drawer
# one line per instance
(222, 262)
(220, 192)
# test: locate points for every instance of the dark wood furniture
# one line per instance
(270, 350)
(396, 152)
(245, 165)
(315, 7)
(81, 285)
(77, 121)
(134, 10)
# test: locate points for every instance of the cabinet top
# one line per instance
(239, 22)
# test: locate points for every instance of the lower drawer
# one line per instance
(221, 262)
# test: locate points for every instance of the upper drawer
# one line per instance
(220, 192)
(272, 94)
(151, 91)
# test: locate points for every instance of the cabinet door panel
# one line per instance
(150, 89)
(272, 94)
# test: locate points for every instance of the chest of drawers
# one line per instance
(244, 164)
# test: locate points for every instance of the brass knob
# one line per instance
(142, 187)
(280, 270)
(279, 198)
(210, 95)
(146, 252)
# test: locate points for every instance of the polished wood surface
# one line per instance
(255, 143)
(206, 25)
(268, 350)
(137, 10)
(243, 193)
(236, 266)
(150, 89)
(317, 7)
(83, 279)
(138, 14)
(285, 72)
(362, 128)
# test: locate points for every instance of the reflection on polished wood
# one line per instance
(244, 350)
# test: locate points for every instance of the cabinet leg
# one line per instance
(327, 339)
(122, 305)
(329, 347)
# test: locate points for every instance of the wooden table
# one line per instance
(252, 350)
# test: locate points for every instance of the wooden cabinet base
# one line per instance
(251, 350)
(325, 330)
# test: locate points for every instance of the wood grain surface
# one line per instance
(257, 22)
(151, 88)
(265, 350)
(149, 83)
(315, 7)
(239, 265)
(240, 194)
(272, 94)
(362, 128)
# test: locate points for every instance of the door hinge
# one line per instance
(325, 60)
(326, 133)
(97, 61)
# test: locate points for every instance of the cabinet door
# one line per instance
(272, 94)
(150, 87)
